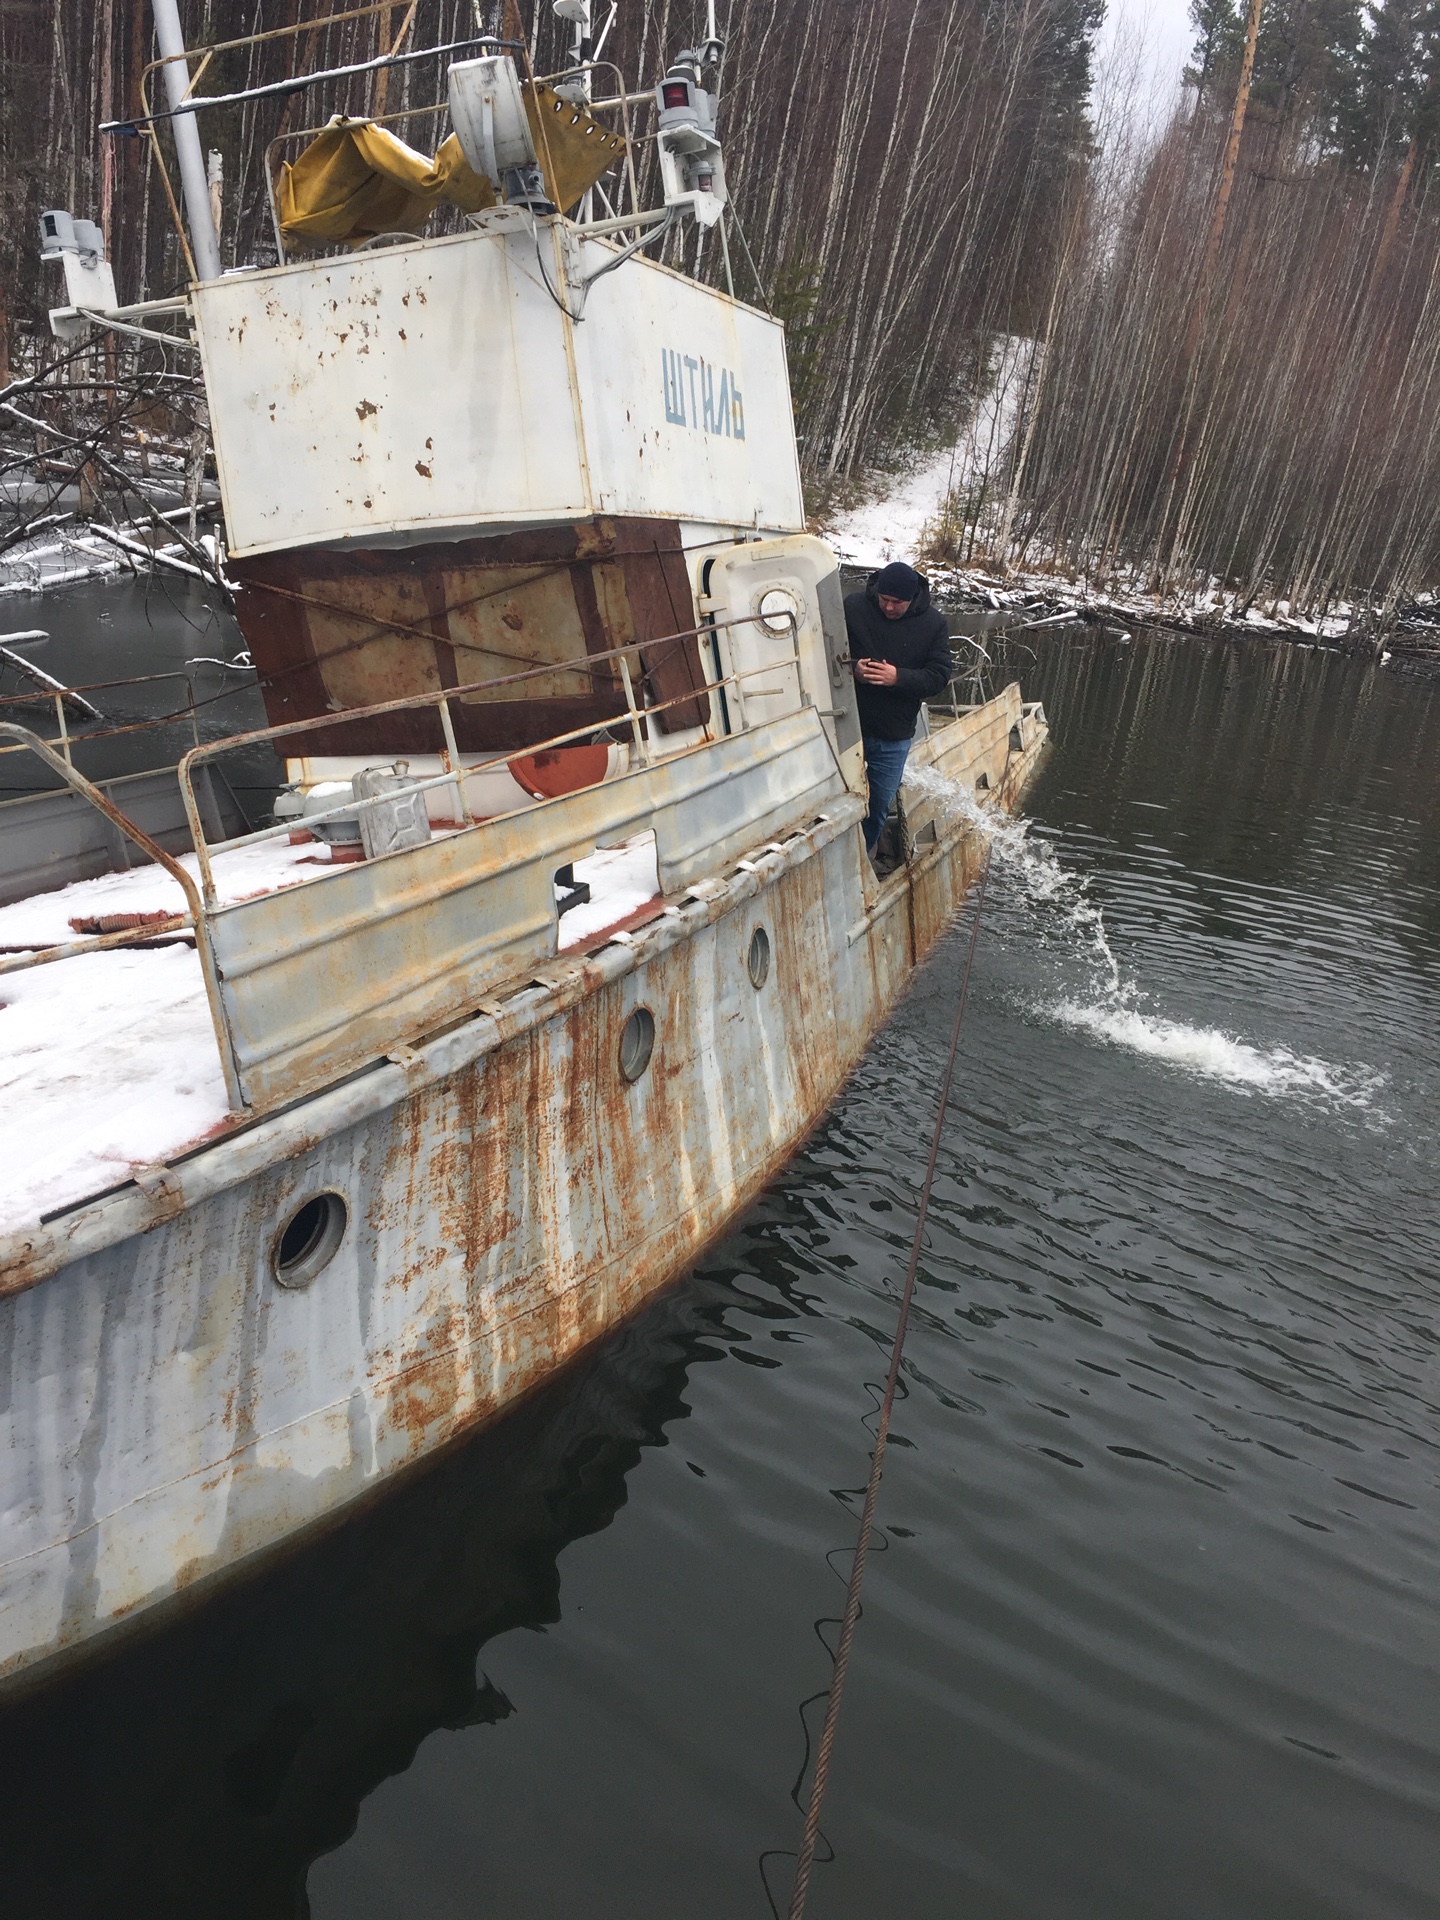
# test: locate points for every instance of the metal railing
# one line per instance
(18, 963)
(67, 741)
(456, 772)
(149, 118)
(203, 898)
(622, 100)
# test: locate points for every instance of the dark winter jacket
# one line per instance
(919, 645)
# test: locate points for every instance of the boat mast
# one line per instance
(577, 14)
(194, 185)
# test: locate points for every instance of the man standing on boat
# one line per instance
(901, 650)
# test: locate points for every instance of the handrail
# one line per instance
(305, 133)
(89, 791)
(196, 907)
(455, 775)
(275, 89)
(66, 740)
(202, 899)
(148, 120)
(278, 33)
(12, 962)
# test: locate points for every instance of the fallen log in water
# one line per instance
(48, 687)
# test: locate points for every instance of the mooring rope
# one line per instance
(806, 1859)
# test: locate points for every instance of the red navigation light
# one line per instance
(675, 93)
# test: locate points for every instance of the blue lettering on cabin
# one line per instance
(694, 399)
(674, 395)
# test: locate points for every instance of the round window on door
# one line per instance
(778, 608)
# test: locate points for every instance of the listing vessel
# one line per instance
(345, 1131)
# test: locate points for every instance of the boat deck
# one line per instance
(108, 1061)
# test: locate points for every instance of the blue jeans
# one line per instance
(884, 769)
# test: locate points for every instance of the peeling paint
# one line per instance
(171, 1412)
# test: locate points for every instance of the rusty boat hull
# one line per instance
(174, 1415)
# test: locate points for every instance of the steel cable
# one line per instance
(806, 1858)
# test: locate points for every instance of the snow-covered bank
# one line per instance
(1409, 641)
(898, 519)
(893, 526)
(962, 490)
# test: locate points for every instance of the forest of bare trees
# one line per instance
(900, 167)
(1261, 406)
(1246, 396)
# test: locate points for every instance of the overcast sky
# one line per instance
(1159, 32)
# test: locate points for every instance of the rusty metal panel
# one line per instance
(169, 1410)
(355, 626)
(316, 980)
(436, 388)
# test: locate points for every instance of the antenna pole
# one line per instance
(194, 185)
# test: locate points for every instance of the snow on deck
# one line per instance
(108, 1061)
(620, 881)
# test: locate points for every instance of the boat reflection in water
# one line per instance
(202, 1768)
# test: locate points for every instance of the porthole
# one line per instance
(309, 1240)
(758, 960)
(637, 1043)
(779, 611)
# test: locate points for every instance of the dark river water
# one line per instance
(161, 632)
(1154, 1632)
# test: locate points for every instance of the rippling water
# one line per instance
(1155, 1629)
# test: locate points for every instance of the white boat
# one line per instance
(320, 1162)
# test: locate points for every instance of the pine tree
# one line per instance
(1214, 59)
(1393, 102)
(1305, 63)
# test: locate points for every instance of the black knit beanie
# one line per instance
(897, 581)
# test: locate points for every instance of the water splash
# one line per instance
(1109, 1008)
(1033, 868)
(1210, 1052)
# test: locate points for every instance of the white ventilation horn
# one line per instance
(487, 111)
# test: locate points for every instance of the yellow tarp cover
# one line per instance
(355, 180)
